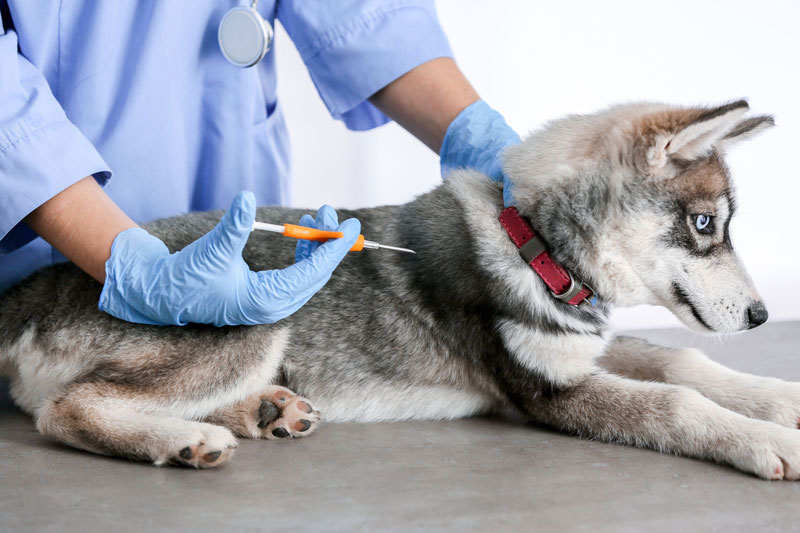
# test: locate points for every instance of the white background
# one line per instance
(534, 61)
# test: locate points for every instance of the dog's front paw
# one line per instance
(776, 401)
(768, 451)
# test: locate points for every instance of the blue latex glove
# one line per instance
(208, 281)
(327, 220)
(475, 139)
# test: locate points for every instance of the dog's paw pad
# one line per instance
(279, 395)
(302, 425)
(186, 454)
(304, 406)
(267, 412)
(210, 457)
(280, 432)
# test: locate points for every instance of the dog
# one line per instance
(627, 206)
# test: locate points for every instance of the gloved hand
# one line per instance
(209, 282)
(475, 139)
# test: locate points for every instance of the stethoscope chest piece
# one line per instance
(244, 36)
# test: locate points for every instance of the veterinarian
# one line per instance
(141, 90)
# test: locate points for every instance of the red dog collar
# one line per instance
(534, 251)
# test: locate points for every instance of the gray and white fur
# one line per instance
(461, 328)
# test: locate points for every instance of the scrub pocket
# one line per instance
(272, 158)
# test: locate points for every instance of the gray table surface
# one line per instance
(472, 474)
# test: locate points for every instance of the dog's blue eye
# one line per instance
(704, 224)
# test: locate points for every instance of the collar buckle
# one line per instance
(571, 292)
(575, 288)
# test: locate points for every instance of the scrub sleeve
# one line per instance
(41, 151)
(353, 53)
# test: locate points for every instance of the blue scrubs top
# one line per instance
(141, 89)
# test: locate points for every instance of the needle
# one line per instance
(311, 234)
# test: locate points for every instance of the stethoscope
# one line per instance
(244, 36)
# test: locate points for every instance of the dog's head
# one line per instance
(638, 200)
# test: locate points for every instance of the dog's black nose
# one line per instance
(756, 315)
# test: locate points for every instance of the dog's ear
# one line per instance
(703, 133)
(694, 133)
(746, 129)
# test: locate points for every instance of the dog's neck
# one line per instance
(569, 215)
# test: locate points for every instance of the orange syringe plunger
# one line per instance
(311, 234)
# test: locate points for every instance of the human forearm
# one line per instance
(81, 222)
(426, 99)
(437, 104)
(206, 282)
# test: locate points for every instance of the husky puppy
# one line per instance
(635, 201)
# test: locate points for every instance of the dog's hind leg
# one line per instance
(275, 413)
(758, 397)
(110, 420)
(668, 418)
